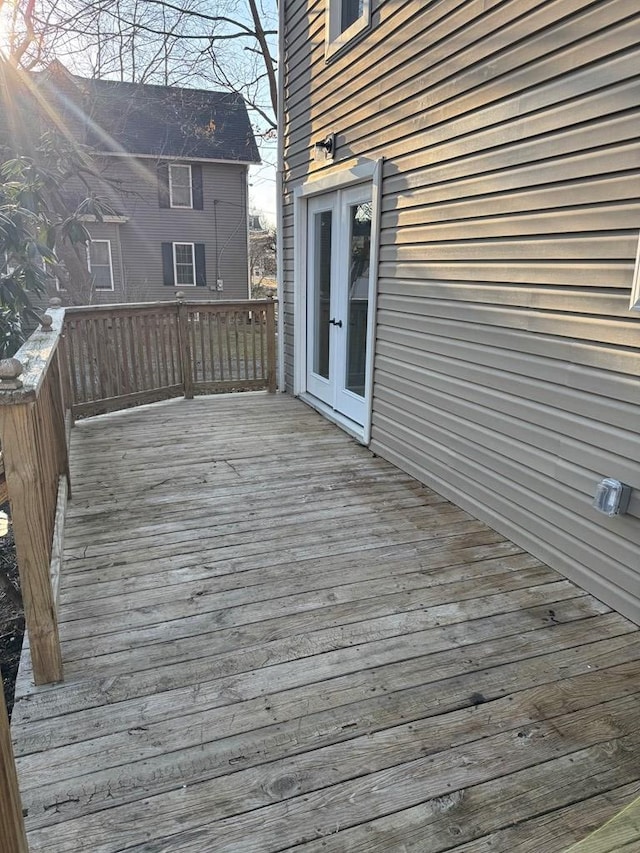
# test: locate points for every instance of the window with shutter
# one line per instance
(183, 264)
(180, 185)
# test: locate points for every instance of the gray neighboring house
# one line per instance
(175, 163)
(460, 274)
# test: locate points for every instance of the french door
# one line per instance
(339, 284)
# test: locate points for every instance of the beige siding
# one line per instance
(507, 360)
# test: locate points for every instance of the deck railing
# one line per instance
(84, 361)
(90, 360)
(34, 405)
(34, 422)
(121, 355)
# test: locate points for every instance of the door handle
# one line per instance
(335, 322)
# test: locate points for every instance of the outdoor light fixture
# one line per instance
(612, 497)
(324, 150)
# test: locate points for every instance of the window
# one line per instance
(345, 20)
(183, 264)
(100, 265)
(180, 186)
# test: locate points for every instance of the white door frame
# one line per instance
(365, 172)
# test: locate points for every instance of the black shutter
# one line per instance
(201, 269)
(163, 184)
(196, 181)
(167, 264)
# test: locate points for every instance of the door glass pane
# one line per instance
(321, 303)
(359, 254)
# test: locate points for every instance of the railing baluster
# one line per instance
(92, 359)
(104, 357)
(61, 405)
(160, 363)
(137, 321)
(254, 341)
(124, 372)
(133, 359)
(164, 353)
(218, 333)
(69, 344)
(102, 360)
(263, 367)
(143, 350)
(193, 344)
(245, 327)
(227, 335)
(169, 323)
(81, 359)
(184, 348)
(271, 347)
(12, 834)
(236, 345)
(209, 336)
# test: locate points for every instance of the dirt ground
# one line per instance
(11, 616)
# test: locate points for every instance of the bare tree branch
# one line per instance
(171, 42)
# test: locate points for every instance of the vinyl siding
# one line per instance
(137, 245)
(507, 360)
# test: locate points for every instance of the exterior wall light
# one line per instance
(612, 497)
(325, 149)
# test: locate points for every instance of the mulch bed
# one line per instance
(11, 615)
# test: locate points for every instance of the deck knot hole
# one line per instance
(283, 787)
(447, 801)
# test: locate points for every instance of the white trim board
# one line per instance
(634, 305)
(354, 429)
(338, 178)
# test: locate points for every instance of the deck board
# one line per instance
(275, 641)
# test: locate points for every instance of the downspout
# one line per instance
(246, 229)
(280, 196)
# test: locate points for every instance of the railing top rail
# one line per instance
(21, 377)
(124, 307)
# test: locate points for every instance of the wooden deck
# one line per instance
(274, 641)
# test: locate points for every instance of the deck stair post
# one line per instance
(12, 833)
(271, 347)
(183, 344)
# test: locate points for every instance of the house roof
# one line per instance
(159, 121)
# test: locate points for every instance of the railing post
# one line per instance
(183, 345)
(58, 396)
(271, 347)
(31, 526)
(12, 833)
(66, 388)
